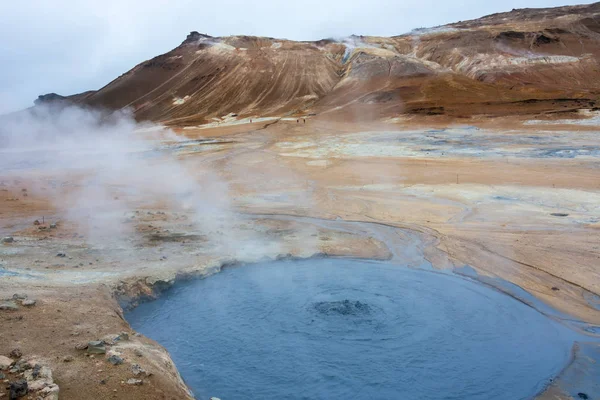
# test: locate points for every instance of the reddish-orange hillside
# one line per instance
(520, 62)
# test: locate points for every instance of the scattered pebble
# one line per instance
(137, 370)
(96, 347)
(8, 239)
(61, 255)
(138, 353)
(115, 360)
(28, 303)
(67, 358)
(5, 363)
(18, 389)
(9, 306)
(81, 346)
(132, 381)
(19, 296)
(16, 353)
(53, 226)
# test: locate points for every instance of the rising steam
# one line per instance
(98, 167)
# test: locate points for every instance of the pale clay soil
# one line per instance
(301, 190)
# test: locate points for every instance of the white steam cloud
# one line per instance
(107, 165)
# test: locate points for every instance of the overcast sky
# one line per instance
(69, 46)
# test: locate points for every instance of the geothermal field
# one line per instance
(369, 218)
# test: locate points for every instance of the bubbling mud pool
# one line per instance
(349, 329)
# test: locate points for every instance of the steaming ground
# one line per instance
(137, 206)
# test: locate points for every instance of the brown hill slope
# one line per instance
(520, 62)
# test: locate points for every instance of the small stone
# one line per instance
(18, 389)
(8, 239)
(16, 353)
(9, 306)
(81, 346)
(115, 360)
(50, 392)
(5, 363)
(37, 384)
(138, 353)
(53, 226)
(103, 382)
(96, 347)
(19, 296)
(555, 288)
(123, 336)
(132, 381)
(583, 396)
(36, 222)
(137, 370)
(28, 303)
(67, 358)
(61, 255)
(23, 365)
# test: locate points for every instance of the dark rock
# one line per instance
(19, 296)
(583, 396)
(49, 98)
(559, 215)
(17, 389)
(8, 239)
(52, 226)
(36, 371)
(61, 255)
(555, 288)
(16, 353)
(115, 360)
(194, 37)
(96, 347)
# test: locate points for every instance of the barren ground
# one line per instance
(517, 202)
